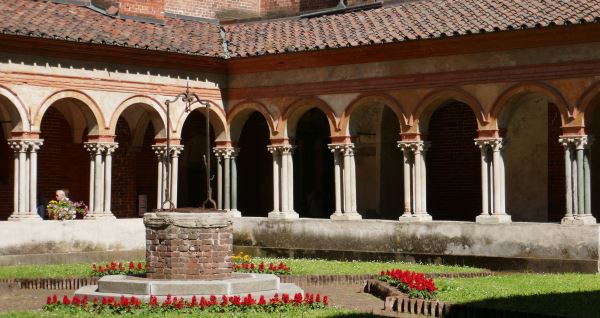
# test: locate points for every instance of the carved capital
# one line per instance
(282, 149)
(579, 142)
(347, 149)
(414, 146)
(95, 148)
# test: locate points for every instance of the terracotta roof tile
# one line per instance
(81, 24)
(406, 21)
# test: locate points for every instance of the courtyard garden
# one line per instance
(572, 295)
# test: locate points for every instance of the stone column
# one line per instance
(283, 183)
(219, 182)
(492, 182)
(100, 179)
(234, 184)
(25, 179)
(577, 180)
(345, 182)
(415, 181)
(227, 177)
(167, 180)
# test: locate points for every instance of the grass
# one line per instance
(318, 313)
(566, 294)
(298, 266)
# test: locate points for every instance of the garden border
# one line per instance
(397, 302)
(304, 280)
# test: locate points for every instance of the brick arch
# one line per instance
(90, 110)
(236, 118)
(157, 115)
(296, 109)
(588, 102)
(434, 100)
(380, 98)
(501, 106)
(16, 112)
(218, 121)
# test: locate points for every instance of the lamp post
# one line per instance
(190, 99)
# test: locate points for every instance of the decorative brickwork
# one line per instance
(188, 245)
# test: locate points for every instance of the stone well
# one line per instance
(187, 246)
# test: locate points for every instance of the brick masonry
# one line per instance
(453, 164)
(185, 251)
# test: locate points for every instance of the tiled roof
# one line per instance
(80, 24)
(405, 21)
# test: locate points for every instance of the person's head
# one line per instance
(60, 195)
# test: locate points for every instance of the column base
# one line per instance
(276, 215)
(235, 213)
(100, 216)
(579, 220)
(346, 216)
(421, 217)
(493, 219)
(25, 217)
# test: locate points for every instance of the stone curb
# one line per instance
(304, 280)
(401, 305)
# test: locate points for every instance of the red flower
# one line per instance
(66, 300)
(262, 300)
(49, 300)
(139, 267)
(325, 300)
(131, 266)
(285, 298)
(225, 301)
(318, 298)
(298, 299)
(54, 299)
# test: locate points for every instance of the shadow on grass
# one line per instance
(578, 304)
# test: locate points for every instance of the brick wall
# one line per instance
(143, 8)
(212, 9)
(453, 164)
(124, 198)
(62, 164)
(6, 178)
(295, 6)
(556, 167)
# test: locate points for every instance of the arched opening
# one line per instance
(453, 164)
(533, 159)
(379, 173)
(134, 179)
(9, 119)
(313, 166)
(255, 168)
(192, 171)
(63, 162)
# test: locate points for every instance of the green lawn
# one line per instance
(318, 313)
(298, 266)
(567, 294)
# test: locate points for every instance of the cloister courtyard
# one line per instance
(422, 157)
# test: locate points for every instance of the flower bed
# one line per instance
(66, 210)
(243, 263)
(213, 304)
(415, 285)
(119, 268)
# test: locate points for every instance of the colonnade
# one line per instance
(577, 158)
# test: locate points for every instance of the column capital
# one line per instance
(414, 145)
(280, 148)
(494, 143)
(225, 152)
(345, 148)
(161, 150)
(25, 145)
(580, 142)
(100, 147)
